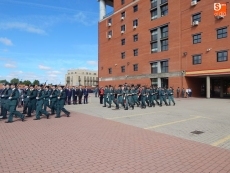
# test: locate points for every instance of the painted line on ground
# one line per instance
(174, 122)
(135, 115)
(221, 141)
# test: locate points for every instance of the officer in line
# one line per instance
(170, 96)
(53, 99)
(25, 99)
(4, 99)
(39, 103)
(60, 102)
(31, 100)
(12, 104)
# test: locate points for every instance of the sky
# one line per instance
(42, 39)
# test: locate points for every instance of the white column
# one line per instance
(158, 67)
(102, 8)
(158, 82)
(208, 87)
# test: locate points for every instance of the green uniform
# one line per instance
(32, 101)
(60, 104)
(39, 104)
(162, 97)
(4, 97)
(46, 99)
(106, 91)
(134, 96)
(25, 100)
(12, 104)
(53, 100)
(143, 98)
(170, 96)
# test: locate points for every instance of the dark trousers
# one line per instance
(101, 99)
(74, 100)
(85, 99)
(3, 110)
(25, 107)
(12, 110)
(60, 108)
(46, 104)
(69, 100)
(30, 108)
(53, 106)
(80, 98)
(40, 111)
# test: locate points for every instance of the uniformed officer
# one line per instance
(5, 95)
(25, 99)
(162, 96)
(170, 96)
(105, 95)
(39, 103)
(12, 104)
(53, 99)
(2, 100)
(47, 97)
(143, 97)
(155, 95)
(134, 92)
(31, 100)
(60, 102)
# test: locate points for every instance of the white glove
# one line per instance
(37, 97)
(10, 97)
(2, 95)
(50, 95)
(58, 97)
(28, 96)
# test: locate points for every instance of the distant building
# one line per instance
(81, 77)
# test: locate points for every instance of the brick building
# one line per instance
(165, 43)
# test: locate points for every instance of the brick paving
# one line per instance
(88, 144)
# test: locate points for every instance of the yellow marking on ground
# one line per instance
(221, 141)
(135, 115)
(174, 122)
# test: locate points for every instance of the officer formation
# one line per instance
(35, 99)
(127, 96)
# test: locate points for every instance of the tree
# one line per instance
(14, 80)
(36, 82)
(4, 81)
(26, 82)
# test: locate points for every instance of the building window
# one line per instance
(123, 41)
(135, 37)
(196, 59)
(154, 14)
(222, 56)
(135, 8)
(154, 35)
(122, 2)
(122, 55)
(164, 45)
(154, 67)
(196, 38)
(154, 47)
(110, 70)
(222, 33)
(135, 22)
(154, 82)
(164, 1)
(135, 52)
(153, 3)
(123, 28)
(196, 17)
(164, 32)
(123, 14)
(135, 67)
(164, 66)
(164, 10)
(123, 69)
(110, 33)
(110, 20)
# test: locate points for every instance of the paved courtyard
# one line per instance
(102, 140)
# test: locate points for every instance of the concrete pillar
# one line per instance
(158, 39)
(158, 82)
(158, 67)
(102, 6)
(221, 88)
(208, 87)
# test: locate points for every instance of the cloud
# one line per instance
(83, 18)
(10, 65)
(92, 63)
(22, 26)
(42, 67)
(6, 41)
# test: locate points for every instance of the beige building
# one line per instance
(81, 77)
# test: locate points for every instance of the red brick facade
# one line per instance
(180, 44)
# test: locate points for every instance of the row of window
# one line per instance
(220, 33)
(83, 73)
(159, 8)
(221, 56)
(135, 68)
